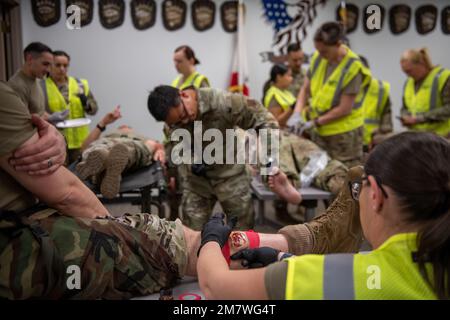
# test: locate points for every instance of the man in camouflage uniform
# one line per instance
(295, 59)
(295, 153)
(121, 151)
(203, 184)
(136, 254)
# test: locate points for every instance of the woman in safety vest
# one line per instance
(185, 62)
(334, 89)
(277, 98)
(405, 216)
(426, 94)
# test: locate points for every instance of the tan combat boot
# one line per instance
(93, 164)
(339, 228)
(115, 165)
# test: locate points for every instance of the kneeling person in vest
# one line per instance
(63, 92)
(405, 220)
(426, 94)
(335, 85)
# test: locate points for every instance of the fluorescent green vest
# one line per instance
(283, 97)
(56, 103)
(388, 272)
(194, 79)
(427, 98)
(326, 95)
(374, 102)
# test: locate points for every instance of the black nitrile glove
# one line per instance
(83, 99)
(216, 230)
(256, 258)
(56, 117)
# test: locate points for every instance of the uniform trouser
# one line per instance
(137, 254)
(295, 153)
(138, 154)
(346, 147)
(233, 194)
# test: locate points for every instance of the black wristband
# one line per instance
(99, 127)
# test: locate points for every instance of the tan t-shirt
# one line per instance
(29, 91)
(15, 129)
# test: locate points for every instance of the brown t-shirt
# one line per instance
(275, 280)
(29, 91)
(15, 129)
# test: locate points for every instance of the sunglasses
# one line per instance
(356, 187)
(182, 117)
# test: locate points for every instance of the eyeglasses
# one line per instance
(356, 187)
(182, 117)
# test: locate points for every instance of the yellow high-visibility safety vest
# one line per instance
(283, 97)
(56, 103)
(326, 95)
(389, 272)
(374, 102)
(427, 98)
(194, 79)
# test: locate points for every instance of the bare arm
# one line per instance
(60, 189)
(109, 118)
(217, 281)
(281, 115)
(33, 158)
(303, 96)
(343, 109)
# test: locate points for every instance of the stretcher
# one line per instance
(146, 186)
(310, 197)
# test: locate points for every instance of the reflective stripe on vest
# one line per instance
(427, 98)
(284, 98)
(326, 93)
(374, 108)
(194, 79)
(56, 103)
(338, 283)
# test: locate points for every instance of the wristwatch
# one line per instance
(100, 127)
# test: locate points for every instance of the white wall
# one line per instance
(123, 64)
(382, 49)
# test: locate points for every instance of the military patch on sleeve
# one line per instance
(174, 14)
(86, 8)
(112, 13)
(46, 12)
(143, 13)
(203, 14)
(426, 18)
(229, 15)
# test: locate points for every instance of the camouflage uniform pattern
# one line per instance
(233, 194)
(139, 155)
(297, 82)
(294, 156)
(136, 254)
(345, 147)
(227, 183)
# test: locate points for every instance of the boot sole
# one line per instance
(116, 163)
(93, 165)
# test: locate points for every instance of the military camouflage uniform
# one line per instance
(294, 156)
(297, 82)
(227, 183)
(139, 154)
(118, 258)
